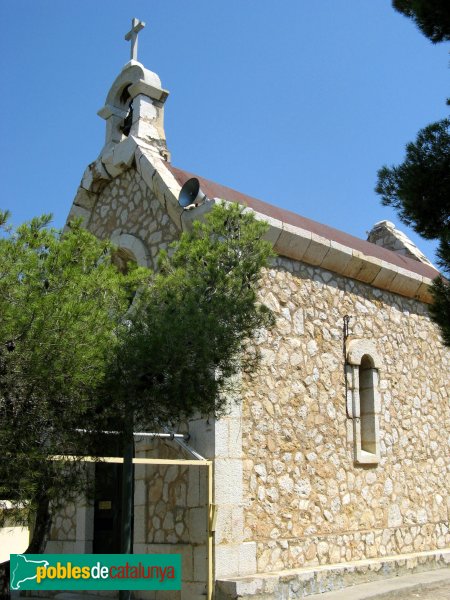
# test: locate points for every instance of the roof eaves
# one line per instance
(311, 242)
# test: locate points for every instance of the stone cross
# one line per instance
(132, 35)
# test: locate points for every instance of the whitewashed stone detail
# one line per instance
(356, 349)
(134, 245)
(128, 212)
(143, 88)
(385, 234)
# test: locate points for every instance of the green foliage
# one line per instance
(431, 16)
(440, 309)
(74, 354)
(193, 328)
(419, 188)
(61, 301)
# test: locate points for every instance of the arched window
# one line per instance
(130, 248)
(127, 104)
(122, 259)
(367, 385)
(363, 405)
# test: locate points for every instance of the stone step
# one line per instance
(308, 581)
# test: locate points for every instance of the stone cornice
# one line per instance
(308, 247)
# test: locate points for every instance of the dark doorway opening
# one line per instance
(107, 508)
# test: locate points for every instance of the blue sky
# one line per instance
(295, 102)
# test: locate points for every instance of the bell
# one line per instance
(128, 122)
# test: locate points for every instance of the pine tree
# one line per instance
(61, 301)
(74, 353)
(431, 16)
(191, 330)
(419, 188)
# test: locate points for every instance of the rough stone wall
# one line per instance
(171, 513)
(71, 530)
(167, 487)
(127, 205)
(169, 495)
(64, 525)
(305, 501)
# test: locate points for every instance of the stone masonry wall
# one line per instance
(126, 205)
(64, 526)
(305, 500)
(171, 514)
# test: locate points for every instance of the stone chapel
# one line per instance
(334, 465)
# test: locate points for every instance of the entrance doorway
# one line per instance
(107, 508)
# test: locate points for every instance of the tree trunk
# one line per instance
(41, 528)
(4, 581)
